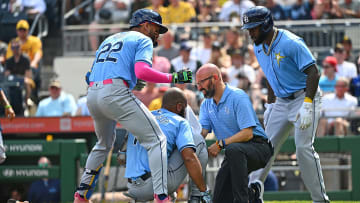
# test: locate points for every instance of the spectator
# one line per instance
(347, 44)
(301, 10)
(206, 14)
(344, 68)
(217, 57)
(326, 9)
(180, 11)
(19, 65)
(138, 4)
(203, 53)
(34, 7)
(32, 47)
(337, 106)
(157, 5)
(350, 9)
(168, 49)
(277, 10)
(233, 10)
(59, 103)
(3, 47)
(155, 104)
(10, 114)
(44, 190)
(238, 66)
(148, 93)
(161, 63)
(82, 109)
(328, 78)
(107, 12)
(184, 60)
(232, 39)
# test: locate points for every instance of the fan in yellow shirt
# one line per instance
(180, 11)
(30, 45)
(157, 5)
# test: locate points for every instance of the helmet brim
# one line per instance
(251, 25)
(163, 29)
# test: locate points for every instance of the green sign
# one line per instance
(24, 172)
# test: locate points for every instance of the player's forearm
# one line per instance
(143, 71)
(312, 81)
(204, 132)
(243, 136)
(3, 99)
(194, 169)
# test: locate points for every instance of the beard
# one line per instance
(210, 92)
(261, 38)
(152, 36)
(182, 113)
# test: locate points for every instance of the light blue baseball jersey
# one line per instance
(178, 135)
(117, 55)
(285, 64)
(233, 113)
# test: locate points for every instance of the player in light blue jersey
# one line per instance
(183, 149)
(293, 96)
(121, 60)
(229, 113)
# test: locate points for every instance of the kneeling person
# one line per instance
(182, 150)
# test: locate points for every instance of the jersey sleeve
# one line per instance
(204, 117)
(184, 138)
(246, 116)
(301, 54)
(144, 51)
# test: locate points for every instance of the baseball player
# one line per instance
(9, 113)
(183, 149)
(293, 96)
(120, 61)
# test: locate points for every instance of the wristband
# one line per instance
(217, 144)
(7, 106)
(308, 100)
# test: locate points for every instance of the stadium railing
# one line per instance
(66, 151)
(318, 34)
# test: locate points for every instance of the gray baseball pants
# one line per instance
(281, 121)
(141, 191)
(111, 103)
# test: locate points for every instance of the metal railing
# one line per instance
(41, 23)
(320, 35)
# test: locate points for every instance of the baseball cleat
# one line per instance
(79, 199)
(258, 188)
(158, 200)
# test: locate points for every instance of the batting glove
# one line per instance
(268, 109)
(183, 76)
(305, 115)
(87, 77)
(206, 197)
(140, 84)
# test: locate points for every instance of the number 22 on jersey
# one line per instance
(107, 50)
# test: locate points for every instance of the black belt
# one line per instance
(260, 139)
(143, 177)
(295, 94)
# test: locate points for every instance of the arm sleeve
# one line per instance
(143, 71)
(204, 118)
(184, 138)
(301, 54)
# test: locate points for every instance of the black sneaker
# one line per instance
(194, 199)
(258, 189)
